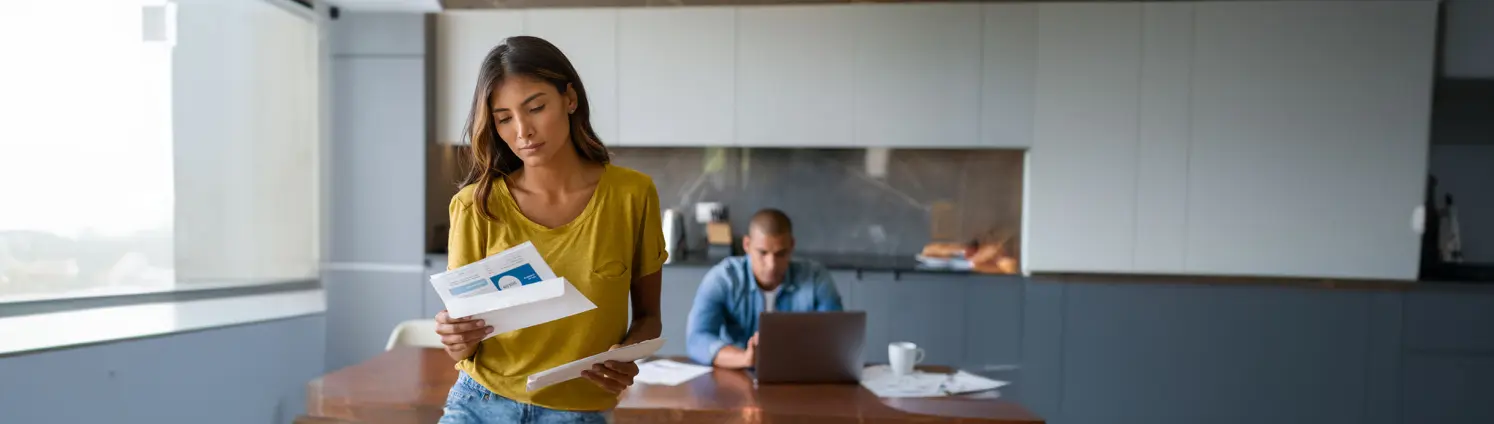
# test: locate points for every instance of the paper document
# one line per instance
(572, 370)
(511, 290)
(665, 372)
(881, 381)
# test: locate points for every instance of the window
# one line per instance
(153, 146)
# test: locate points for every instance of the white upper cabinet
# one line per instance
(917, 74)
(675, 83)
(463, 39)
(1081, 183)
(588, 37)
(1008, 74)
(794, 84)
(1309, 137)
(1162, 146)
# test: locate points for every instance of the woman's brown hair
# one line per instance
(492, 160)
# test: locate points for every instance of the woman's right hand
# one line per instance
(460, 335)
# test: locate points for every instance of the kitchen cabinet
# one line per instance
(1309, 127)
(675, 84)
(928, 310)
(845, 285)
(1162, 144)
(675, 300)
(1241, 138)
(1131, 351)
(1081, 194)
(992, 321)
(463, 39)
(1008, 72)
(918, 73)
(588, 37)
(794, 68)
(1440, 320)
(1448, 389)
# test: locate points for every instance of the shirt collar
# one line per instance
(787, 286)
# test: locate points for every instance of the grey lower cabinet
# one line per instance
(923, 309)
(1448, 358)
(1448, 388)
(678, 295)
(993, 323)
(845, 285)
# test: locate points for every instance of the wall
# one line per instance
(1462, 155)
(375, 275)
(248, 374)
(1468, 49)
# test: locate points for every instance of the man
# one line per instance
(722, 328)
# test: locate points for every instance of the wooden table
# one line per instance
(409, 385)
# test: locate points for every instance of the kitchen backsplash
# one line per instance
(841, 201)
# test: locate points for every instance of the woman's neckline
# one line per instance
(585, 211)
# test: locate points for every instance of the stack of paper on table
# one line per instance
(881, 381)
(511, 290)
(665, 372)
(572, 370)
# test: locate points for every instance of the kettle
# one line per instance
(674, 233)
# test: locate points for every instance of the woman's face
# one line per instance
(533, 118)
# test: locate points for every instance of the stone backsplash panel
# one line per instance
(838, 205)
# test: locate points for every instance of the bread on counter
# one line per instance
(985, 256)
(943, 250)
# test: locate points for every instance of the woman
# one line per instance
(540, 174)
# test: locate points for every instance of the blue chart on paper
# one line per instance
(518, 276)
(468, 287)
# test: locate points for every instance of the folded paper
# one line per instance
(510, 290)
(572, 370)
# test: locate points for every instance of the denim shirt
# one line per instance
(728, 302)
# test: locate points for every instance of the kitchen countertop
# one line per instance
(836, 262)
(831, 261)
(907, 264)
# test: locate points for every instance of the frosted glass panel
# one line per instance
(151, 146)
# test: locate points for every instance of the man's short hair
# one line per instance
(771, 222)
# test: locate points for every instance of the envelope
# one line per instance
(566, 301)
(572, 370)
(510, 290)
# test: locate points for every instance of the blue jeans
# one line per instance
(471, 403)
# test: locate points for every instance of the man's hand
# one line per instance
(460, 336)
(751, 353)
(733, 357)
(612, 376)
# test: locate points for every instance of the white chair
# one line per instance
(415, 332)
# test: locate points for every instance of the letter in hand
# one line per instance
(612, 376)
(460, 335)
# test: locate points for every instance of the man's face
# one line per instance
(769, 255)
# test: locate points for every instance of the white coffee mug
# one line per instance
(903, 356)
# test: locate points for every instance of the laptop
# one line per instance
(810, 347)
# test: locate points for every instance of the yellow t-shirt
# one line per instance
(617, 238)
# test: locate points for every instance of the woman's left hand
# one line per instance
(612, 376)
